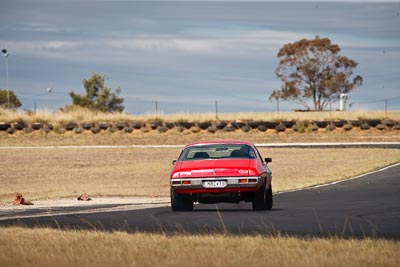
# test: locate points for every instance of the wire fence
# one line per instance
(385, 101)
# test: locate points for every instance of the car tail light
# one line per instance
(176, 182)
(186, 182)
(242, 181)
(252, 180)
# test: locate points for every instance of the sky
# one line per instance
(188, 55)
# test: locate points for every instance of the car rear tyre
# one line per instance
(180, 202)
(259, 199)
(269, 200)
(262, 199)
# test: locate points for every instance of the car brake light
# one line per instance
(242, 181)
(186, 182)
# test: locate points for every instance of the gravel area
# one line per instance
(74, 206)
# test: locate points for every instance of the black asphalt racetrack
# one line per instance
(364, 207)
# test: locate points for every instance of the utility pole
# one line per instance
(5, 54)
(156, 110)
(216, 110)
(386, 107)
(277, 104)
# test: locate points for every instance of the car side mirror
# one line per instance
(174, 162)
(268, 160)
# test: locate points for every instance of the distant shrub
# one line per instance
(95, 129)
(298, 128)
(229, 128)
(162, 129)
(180, 129)
(47, 129)
(389, 123)
(11, 130)
(212, 129)
(128, 129)
(348, 127)
(364, 126)
(195, 129)
(145, 129)
(380, 127)
(246, 128)
(313, 127)
(331, 127)
(112, 129)
(78, 130)
(28, 130)
(280, 127)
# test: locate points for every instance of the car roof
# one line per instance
(220, 142)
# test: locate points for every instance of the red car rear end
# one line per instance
(220, 171)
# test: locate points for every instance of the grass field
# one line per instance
(47, 247)
(174, 137)
(58, 173)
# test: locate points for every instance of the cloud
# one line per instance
(239, 43)
(243, 43)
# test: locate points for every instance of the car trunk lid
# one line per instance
(214, 168)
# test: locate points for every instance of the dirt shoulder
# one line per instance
(73, 206)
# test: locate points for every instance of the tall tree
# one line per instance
(98, 96)
(313, 71)
(14, 101)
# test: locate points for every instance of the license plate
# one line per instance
(214, 184)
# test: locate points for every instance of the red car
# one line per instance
(220, 171)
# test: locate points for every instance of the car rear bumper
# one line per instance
(226, 183)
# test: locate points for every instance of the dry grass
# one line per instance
(83, 115)
(56, 173)
(46, 247)
(174, 137)
(298, 168)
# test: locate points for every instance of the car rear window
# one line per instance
(220, 151)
